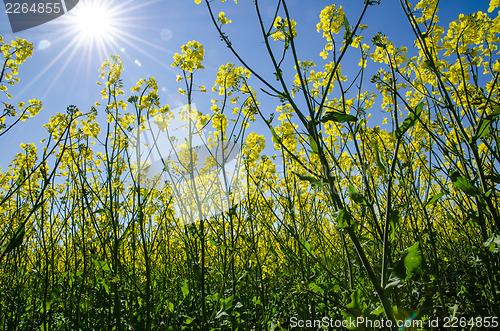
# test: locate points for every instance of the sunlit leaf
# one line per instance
(409, 121)
(314, 146)
(16, 240)
(343, 219)
(22, 177)
(338, 117)
(314, 182)
(410, 264)
(378, 161)
(464, 184)
(276, 138)
(185, 289)
(493, 243)
(413, 261)
(315, 288)
(435, 198)
(484, 125)
(355, 195)
(394, 219)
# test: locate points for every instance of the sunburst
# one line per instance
(94, 21)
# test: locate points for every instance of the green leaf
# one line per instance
(316, 288)
(22, 177)
(307, 246)
(313, 144)
(493, 178)
(283, 96)
(276, 138)
(347, 34)
(428, 64)
(464, 184)
(355, 195)
(354, 310)
(405, 268)
(16, 240)
(409, 121)
(185, 289)
(188, 320)
(270, 120)
(314, 182)
(398, 275)
(102, 265)
(338, 117)
(358, 303)
(394, 222)
(278, 74)
(493, 243)
(343, 219)
(434, 199)
(310, 125)
(346, 23)
(413, 261)
(483, 127)
(379, 310)
(378, 161)
(213, 242)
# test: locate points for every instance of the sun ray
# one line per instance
(87, 40)
(47, 67)
(64, 65)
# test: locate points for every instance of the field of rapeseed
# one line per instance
(351, 218)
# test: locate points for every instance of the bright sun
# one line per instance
(93, 20)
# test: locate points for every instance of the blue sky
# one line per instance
(147, 33)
